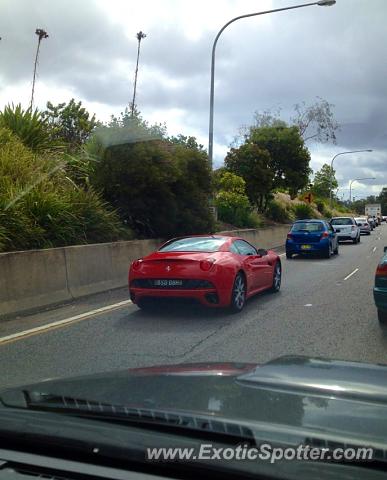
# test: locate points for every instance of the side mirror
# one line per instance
(262, 252)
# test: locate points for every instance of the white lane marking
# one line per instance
(63, 322)
(352, 273)
(282, 255)
(374, 250)
(308, 305)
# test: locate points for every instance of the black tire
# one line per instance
(277, 276)
(327, 252)
(238, 296)
(146, 305)
(358, 240)
(382, 316)
(289, 256)
(354, 240)
(336, 250)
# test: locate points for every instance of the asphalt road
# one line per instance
(322, 310)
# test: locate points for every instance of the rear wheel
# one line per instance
(327, 252)
(146, 304)
(336, 250)
(277, 276)
(382, 316)
(238, 298)
(289, 255)
(354, 240)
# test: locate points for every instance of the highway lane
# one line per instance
(325, 308)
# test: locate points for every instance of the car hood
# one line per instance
(315, 396)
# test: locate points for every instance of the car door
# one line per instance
(257, 267)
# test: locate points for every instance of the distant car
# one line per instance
(384, 218)
(346, 229)
(380, 288)
(312, 237)
(216, 270)
(365, 227)
(371, 221)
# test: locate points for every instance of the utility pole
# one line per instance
(41, 34)
(140, 35)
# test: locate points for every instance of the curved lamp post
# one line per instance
(331, 175)
(321, 3)
(357, 180)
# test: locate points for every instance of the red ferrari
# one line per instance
(216, 270)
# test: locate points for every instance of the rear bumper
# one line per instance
(380, 297)
(209, 297)
(347, 236)
(315, 248)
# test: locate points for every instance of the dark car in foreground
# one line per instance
(215, 270)
(106, 425)
(380, 288)
(312, 237)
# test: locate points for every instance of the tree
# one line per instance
(159, 186)
(70, 123)
(231, 200)
(288, 156)
(383, 200)
(252, 163)
(316, 122)
(322, 179)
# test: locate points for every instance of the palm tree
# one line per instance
(41, 34)
(140, 35)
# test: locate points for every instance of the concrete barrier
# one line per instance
(267, 237)
(39, 278)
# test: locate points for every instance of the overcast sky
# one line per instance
(338, 53)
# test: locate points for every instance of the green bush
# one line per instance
(40, 207)
(320, 206)
(302, 211)
(233, 208)
(328, 214)
(28, 126)
(276, 212)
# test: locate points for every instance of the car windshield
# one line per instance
(192, 244)
(308, 227)
(342, 221)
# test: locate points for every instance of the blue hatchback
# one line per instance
(312, 236)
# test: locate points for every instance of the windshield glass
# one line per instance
(308, 227)
(342, 221)
(201, 244)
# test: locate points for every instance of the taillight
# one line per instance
(137, 264)
(353, 227)
(206, 265)
(325, 235)
(381, 270)
(289, 236)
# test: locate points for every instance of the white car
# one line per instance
(346, 228)
(365, 227)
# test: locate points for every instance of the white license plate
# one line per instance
(167, 283)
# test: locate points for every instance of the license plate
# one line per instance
(167, 283)
(306, 247)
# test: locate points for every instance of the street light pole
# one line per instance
(357, 180)
(212, 86)
(331, 172)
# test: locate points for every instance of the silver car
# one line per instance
(346, 229)
(365, 227)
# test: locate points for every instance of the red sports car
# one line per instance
(216, 270)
